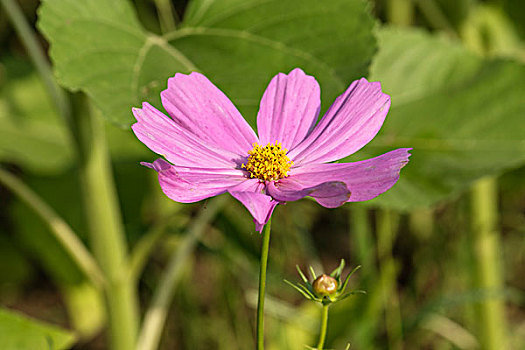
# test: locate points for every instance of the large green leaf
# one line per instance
(31, 133)
(100, 47)
(463, 115)
(33, 136)
(18, 332)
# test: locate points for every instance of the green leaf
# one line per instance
(312, 273)
(462, 114)
(301, 289)
(99, 47)
(345, 283)
(33, 136)
(31, 133)
(338, 271)
(515, 9)
(18, 332)
(15, 267)
(303, 277)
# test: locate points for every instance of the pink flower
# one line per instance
(210, 149)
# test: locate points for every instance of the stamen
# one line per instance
(268, 163)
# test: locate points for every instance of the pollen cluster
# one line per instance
(268, 163)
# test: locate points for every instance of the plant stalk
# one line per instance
(157, 312)
(58, 227)
(386, 221)
(166, 15)
(421, 223)
(324, 327)
(262, 284)
(106, 232)
(363, 248)
(400, 12)
(487, 265)
(106, 229)
(435, 16)
(361, 237)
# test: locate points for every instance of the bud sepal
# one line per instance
(325, 289)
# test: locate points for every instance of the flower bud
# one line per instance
(325, 286)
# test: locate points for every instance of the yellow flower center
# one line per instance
(268, 163)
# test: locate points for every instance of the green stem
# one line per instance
(106, 230)
(487, 264)
(156, 314)
(364, 249)
(37, 55)
(421, 223)
(361, 237)
(62, 231)
(166, 15)
(106, 234)
(143, 248)
(262, 284)
(435, 16)
(386, 221)
(324, 326)
(400, 12)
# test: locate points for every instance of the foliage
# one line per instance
(462, 114)
(18, 332)
(457, 81)
(100, 47)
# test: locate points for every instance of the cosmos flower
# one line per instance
(210, 149)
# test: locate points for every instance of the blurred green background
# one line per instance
(443, 252)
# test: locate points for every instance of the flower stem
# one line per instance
(324, 326)
(262, 284)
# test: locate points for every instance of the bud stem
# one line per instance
(324, 326)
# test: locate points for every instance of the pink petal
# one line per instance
(329, 194)
(165, 137)
(289, 109)
(260, 205)
(350, 123)
(200, 107)
(365, 179)
(188, 185)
